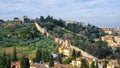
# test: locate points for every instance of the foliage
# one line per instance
(60, 58)
(92, 64)
(51, 61)
(5, 61)
(25, 62)
(42, 54)
(14, 55)
(24, 35)
(84, 64)
(66, 61)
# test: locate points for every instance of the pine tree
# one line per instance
(51, 61)
(14, 55)
(84, 64)
(92, 65)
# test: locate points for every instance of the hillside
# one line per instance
(25, 37)
(81, 36)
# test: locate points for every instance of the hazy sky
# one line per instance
(98, 12)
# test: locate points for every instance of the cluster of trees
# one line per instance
(42, 54)
(76, 54)
(24, 34)
(5, 61)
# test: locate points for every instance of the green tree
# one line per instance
(92, 64)
(84, 64)
(45, 55)
(74, 53)
(51, 61)
(38, 57)
(14, 55)
(25, 62)
(96, 65)
(59, 58)
(8, 62)
(67, 61)
(78, 54)
(42, 19)
(4, 59)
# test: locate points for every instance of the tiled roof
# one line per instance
(15, 63)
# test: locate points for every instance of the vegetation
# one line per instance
(5, 61)
(84, 64)
(14, 55)
(81, 36)
(41, 54)
(51, 61)
(25, 62)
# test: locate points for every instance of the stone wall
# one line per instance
(62, 42)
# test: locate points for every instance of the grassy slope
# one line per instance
(18, 37)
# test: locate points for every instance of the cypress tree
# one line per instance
(38, 57)
(96, 65)
(8, 62)
(59, 58)
(74, 53)
(45, 55)
(92, 64)
(25, 62)
(14, 55)
(51, 61)
(84, 64)
(78, 54)
(4, 59)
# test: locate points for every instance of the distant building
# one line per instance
(113, 64)
(69, 21)
(113, 41)
(106, 30)
(25, 19)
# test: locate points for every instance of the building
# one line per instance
(113, 41)
(101, 63)
(38, 65)
(63, 66)
(65, 49)
(15, 64)
(77, 62)
(113, 64)
(106, 30)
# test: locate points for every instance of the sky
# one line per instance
(96, 12)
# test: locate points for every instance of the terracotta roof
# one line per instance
(15, 63)
(63, 66)
(37, 65)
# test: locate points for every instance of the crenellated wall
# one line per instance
(63, 43)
